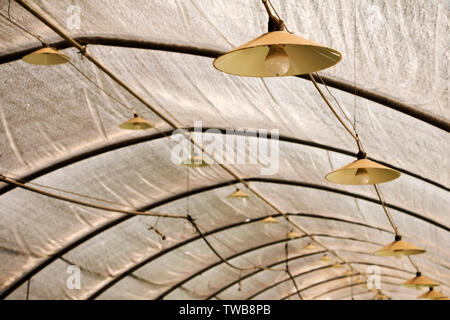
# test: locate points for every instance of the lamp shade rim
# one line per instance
(377, 173)
(420, 282)
(399, 246)
(46, 56)
(248, 59)
(136, 123)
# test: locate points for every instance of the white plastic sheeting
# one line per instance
(49, 115)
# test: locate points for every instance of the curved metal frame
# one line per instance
(346, 287)
(283, 261)
(139, 44)
(136, 140)
(425, 117)
(145, 262)
(333, 279)
(95, 232)
(241, 253)
(298, 275)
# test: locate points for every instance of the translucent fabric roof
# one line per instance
(59, 130)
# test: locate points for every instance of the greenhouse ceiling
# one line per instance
(91, 210)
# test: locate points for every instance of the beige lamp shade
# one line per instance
(238, 194)
(433, 295)
(325, 258)
(380, 296)
(338, 265)
(309, 246)
(420, 282)
(303, 56)
(293, 235)
(195, 162)
(136, 123)
(362, 171)
(399, 248)
(270, 220)
(358, 280)
(46, 57)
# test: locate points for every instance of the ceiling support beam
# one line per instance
(298, 275)
(113, 223)
(154, 136)
(211, 266)
(217, 292)
(203, 52)
(329, 280)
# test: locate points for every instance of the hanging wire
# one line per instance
(288, 271)
(386, 210)
(278, 16)
(335, 99)
(103, 90)
(34, 35)
(413, 263)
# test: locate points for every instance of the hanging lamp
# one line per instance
(358, 280)
(398, 248)
(46, 57)
(325, 258)
(238, 194)
(195, 162)
(338, 265)
(433, 295)
(380, 296)
(362, 171)
(293, 235)
(420, 282)
(136, 123)
(309, 246)
(348, 273)
(277, 53)
(270, 219)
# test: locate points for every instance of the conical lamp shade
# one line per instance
(380, 296)
(358, 280)
(195, 162)
(238, 194)
(362, 171)
(433, 295)
(420, 282)
(398, 248)
(309, 246)
(325, 258)
(338, 265)
(270, 220)
(293, 235)
(304, 56)
(46, 57)
(136, 123)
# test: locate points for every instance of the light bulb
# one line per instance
(362, 176)
(277, 61)
(398, 254)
